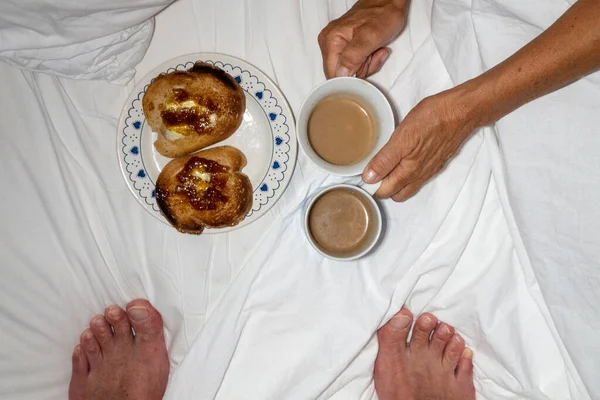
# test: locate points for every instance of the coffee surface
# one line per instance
(339, 222)
(340, 130)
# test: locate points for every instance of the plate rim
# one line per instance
(214, 57)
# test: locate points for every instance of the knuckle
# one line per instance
(383, 163)
(411, 167)
(326, 36)
(368, 34)
(322, 38)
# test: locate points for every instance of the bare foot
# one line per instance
(430, 367)
(118, 365)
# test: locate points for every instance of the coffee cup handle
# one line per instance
(370, 188)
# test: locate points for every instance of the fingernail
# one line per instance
(370, 176)
(138, 314)
(467, 353)
(400, 322)
(114, 311)
(342, 71)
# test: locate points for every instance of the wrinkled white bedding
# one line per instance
(78, 39)
(256, 314)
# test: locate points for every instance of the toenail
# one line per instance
(467, 353)
(426, 319)
(457, 339)
(88, 335)
(98, 321)
(77, 350)
(114, 311)
(400, 322)
(444, 330)
(138, 314)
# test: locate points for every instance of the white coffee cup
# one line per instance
(370, 97)
(375, 222)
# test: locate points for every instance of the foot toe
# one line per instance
(80, 363)
(91, 349)
(117, 317)
(424, 325)
(102, 331)
(453, 351)
(464, 370)
(146, 321)
(441, 335)
(393, 335)
(79, 373)
(392, 351)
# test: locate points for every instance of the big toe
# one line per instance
(390, 361)
(146, 321)
(393, 335)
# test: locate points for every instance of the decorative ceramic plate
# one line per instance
(266, 136)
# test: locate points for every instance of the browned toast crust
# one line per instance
(205, 189)
(193, 109)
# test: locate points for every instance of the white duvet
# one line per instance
(256, 313)
(78, 39)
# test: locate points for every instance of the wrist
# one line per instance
(477, 102)
(400, 5)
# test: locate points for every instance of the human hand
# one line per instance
(429, 136)
(354, 44)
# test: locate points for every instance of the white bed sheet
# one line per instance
(78, 39)
(244, 320)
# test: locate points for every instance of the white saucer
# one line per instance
(267, 137)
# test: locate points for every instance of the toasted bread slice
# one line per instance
(205, 189)
(193, 109)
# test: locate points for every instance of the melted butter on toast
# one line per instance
(184, 114)
(203, 181)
